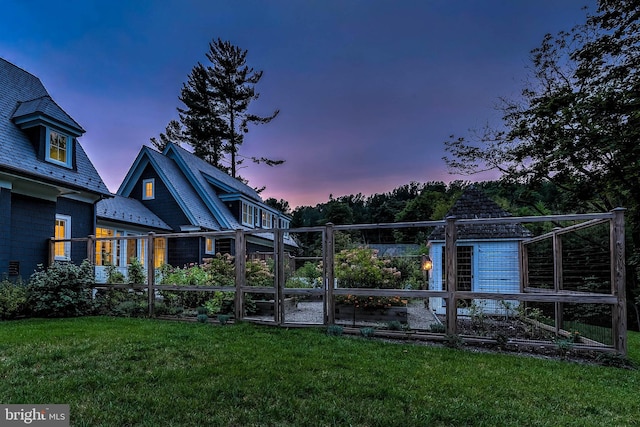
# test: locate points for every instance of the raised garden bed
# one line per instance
(352, 313)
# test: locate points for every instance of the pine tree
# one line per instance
(216, 114)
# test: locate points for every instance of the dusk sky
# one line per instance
(368, 90)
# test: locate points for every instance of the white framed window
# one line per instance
(266, 219)
(148, 189)
(62, 250)
(58, 149)
(248, 213)
(210, 246)
(284, 224)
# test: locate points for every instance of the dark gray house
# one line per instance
(183, 194)
(50, 189)
(48, 185)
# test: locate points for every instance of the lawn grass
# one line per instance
(140, 372)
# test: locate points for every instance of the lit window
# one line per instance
(210, 246)
(104, 248)
(58, 148)
(148, 189)
(62, 250)
(159, 252)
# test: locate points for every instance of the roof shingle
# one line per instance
(474, 204)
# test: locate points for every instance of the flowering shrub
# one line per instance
(215, 271)
(258, 273)
(362, 268)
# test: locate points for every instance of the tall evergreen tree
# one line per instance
(203, 126)
(233, 83)
(216, 115)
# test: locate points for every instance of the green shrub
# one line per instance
(13, 299)
(307, 276)
(223, 318)
(335, 330)
(394, 325)
(131, 308)
(62, 290)
(202, 318)
(367, 332)
(259, 273)
(135, 272)
(437, 328)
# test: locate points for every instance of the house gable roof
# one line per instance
(474, 204)
(132, 211)
(209, 181)
(176, 182)
(23, 97)
(200, 189)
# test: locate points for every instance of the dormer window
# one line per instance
(248, 212)
(58, 148)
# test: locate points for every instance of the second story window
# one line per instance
(58, 148)
(266, 219)
(248, 214)
(148, 189)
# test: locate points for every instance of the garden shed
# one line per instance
(488, 255)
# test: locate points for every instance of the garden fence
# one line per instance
(561, 286)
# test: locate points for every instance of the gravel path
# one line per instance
(310, 312)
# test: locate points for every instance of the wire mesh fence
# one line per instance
(525, 281)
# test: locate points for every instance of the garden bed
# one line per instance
(365, 314)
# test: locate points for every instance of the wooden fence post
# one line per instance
(278, 300)
(240, 266)
(327, 261)
(151, 273)
(558, 279)
(451, 255)
(91, 250)
(618, 280)
(52, 251)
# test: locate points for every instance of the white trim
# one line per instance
(248, 218)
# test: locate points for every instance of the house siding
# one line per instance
(163, 204)
(5, 230)
(32, 225)
(82, 224)
(184, 251)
